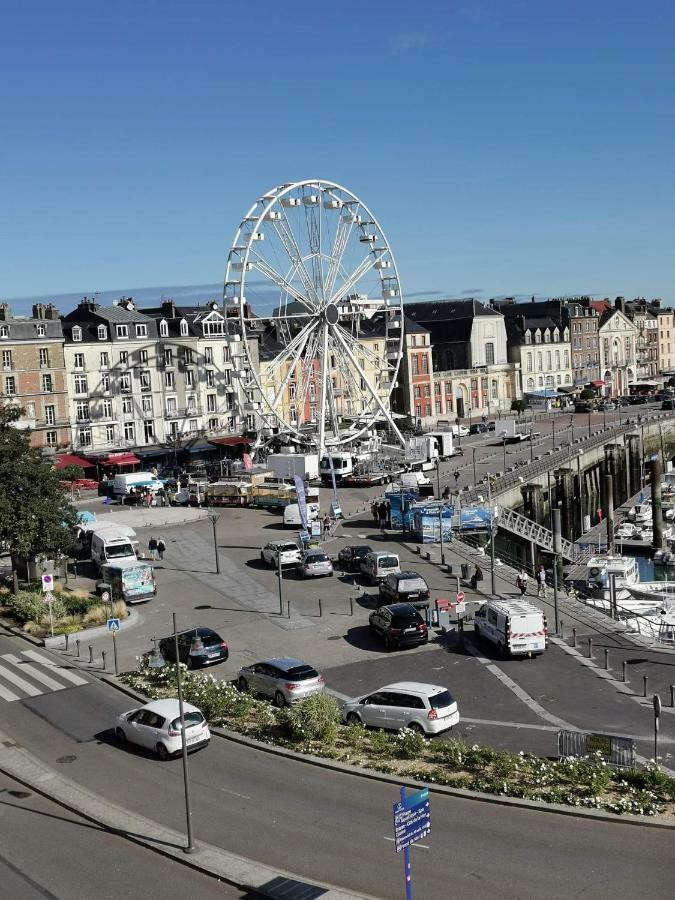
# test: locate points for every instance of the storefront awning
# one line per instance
(150, 452)
(231, 441)
(119, 459)
(69, 459)
(598, 383)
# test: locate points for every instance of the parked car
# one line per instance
(668, 403)
(426, 708)
(196, 647)
(349, 558)
(459, 430)
(157, 727)
(400, 625)
(285, 680)
(405, 587)
(377, 565)
(478, 428)
(606, 405)
(315, 563)
(491, 425)
(289, 552)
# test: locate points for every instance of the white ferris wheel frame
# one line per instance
(245, 258)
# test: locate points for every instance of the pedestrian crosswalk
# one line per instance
(29, 674)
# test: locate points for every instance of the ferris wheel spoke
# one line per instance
(297, 356)
(285, 234)
(376, 397)
(343, 232)
(264, 267)
(307, 365)
(359, 272)
(325, 375)
(299, 340)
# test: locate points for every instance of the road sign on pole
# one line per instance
(412, 822)
(47, 582)
(460, 597)
(113, 624)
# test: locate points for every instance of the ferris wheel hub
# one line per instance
(331, 314)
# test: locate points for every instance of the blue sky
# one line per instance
(515, 147)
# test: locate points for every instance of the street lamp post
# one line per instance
(190, 848)
(553, 425)
(504, 448)
(214, 520)
(438, 477)
(572, 427)
(589, 423)
(492, 540)
(531, 448)
(474, 465)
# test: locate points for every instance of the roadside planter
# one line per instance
(313, 727)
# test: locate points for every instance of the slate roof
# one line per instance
(90, 316)
(441, 310)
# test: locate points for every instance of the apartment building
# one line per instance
(584, 322)
(33, 373)
(666, 340)
(618, 361)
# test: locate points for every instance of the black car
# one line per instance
(478, 428)
(491, 425)
(349, 558)
(668, 404)
(196, 647)
(400, 625)
(405, 587)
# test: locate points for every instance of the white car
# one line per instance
(289, 553)
(156, 726)
(460, 430)
(426, 708)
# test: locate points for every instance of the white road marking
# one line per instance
(6, 694)
(235, 794)
(419, 846)
(338, 695)
(64, 673)
(33, 672)
(509, 724)
(19, 682)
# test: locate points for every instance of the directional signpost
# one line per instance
(412, 822)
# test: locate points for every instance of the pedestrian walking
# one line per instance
(326, 527)
(374, 511)
(521, 581)
(161, 547)
(456, 475)
(382, 512)
(152, 547)
(446, 492)
(476, 577)
(541, 581)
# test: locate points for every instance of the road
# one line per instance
(49, 853)
(336, 827)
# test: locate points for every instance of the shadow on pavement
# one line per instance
(362, 637)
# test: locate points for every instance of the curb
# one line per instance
(358, 771)
(58, 642)
(242, 873)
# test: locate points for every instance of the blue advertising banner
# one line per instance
(427, 520)
(474, 517)
(302, 499)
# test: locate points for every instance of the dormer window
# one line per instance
(163, 328)
(183, 328)
(556, 336)
(141, 331)
(102, 333)
(213, 326)
(122, 331)
(4, 331)
(528, 336)
(76, 333)
(40, 330)
(547, 337)
(537, 337)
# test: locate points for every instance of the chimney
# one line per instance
(656, 303)
(88, 303)
(620, 304)
(169, 308)
(39, 311)
(52, 313)
(5, 312)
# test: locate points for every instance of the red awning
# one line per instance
(68, 459)
(598, 383)
(119, 459)
(231, 441)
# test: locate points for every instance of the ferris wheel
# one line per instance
(319, 314)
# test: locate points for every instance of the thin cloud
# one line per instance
(407, 41)
(472, 292)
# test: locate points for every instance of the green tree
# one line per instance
(587, 394)
(71, 474)
(35, 514)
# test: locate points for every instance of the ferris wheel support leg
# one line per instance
(373, 393)
(324, 384)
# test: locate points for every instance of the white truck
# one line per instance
(515, 626)
(343, 465)
(421, 452)
(444, 443)
(513, 432)
(286, 465)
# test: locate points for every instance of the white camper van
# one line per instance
(112, 545)
(516, 627)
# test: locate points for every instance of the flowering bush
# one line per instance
(409, 744)
(314, 719)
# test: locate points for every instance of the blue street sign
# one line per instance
(412, 819)
(113, 624)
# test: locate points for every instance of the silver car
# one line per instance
(314, 563)
(285, 680)
(425, 708)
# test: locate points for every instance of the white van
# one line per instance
(292, 513)
(85, 533)
(516, 627)
(112, 545)
(123, 483)
(378, 564)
